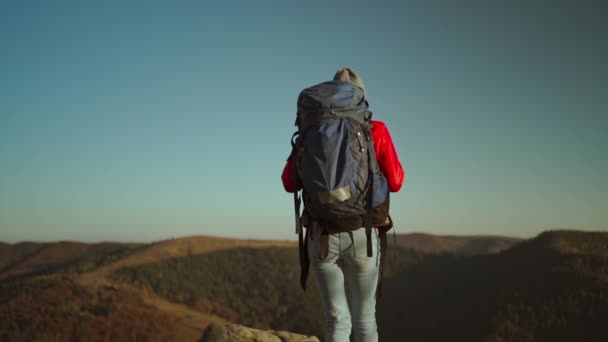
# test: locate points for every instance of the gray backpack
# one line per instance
(343, 188)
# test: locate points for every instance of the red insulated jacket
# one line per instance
(385, 154)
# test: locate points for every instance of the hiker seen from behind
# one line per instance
(345, 165)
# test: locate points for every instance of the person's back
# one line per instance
(353, 254)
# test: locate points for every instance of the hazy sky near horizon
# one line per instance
(125, 121)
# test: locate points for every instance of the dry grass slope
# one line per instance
(41, 256)
(175, 248)
(191, 322)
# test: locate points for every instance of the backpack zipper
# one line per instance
(361, 145)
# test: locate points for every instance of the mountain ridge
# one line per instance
(174, 289)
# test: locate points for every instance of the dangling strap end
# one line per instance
(368, 233)
(304, 260)
(296, 202)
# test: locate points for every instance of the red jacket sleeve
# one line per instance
(387, 156)
(287, 177)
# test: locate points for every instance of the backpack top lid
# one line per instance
(331, 99)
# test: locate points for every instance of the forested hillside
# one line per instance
(30, 259)
(550, 288)
(254, 287)
(54, 308)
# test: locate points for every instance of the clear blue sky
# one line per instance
(133, 120)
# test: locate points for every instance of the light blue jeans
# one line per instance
(347, 259)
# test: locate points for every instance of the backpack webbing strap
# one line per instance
(383, 249)
(304, 260)
(297, 201)
(383, 244)
(368, 236)
(293, 158)
(370, 198)
(302, 242)
(296, 206)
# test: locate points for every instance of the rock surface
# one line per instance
(238, 333)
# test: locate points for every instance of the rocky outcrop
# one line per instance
(238, 333)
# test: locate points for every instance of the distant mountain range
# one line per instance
(438, 288)
(459, 245)
(34, 257)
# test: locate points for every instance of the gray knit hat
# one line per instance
(351, 76)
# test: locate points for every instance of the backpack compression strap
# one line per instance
(370, 196)
(304, 261)
(297, 201)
